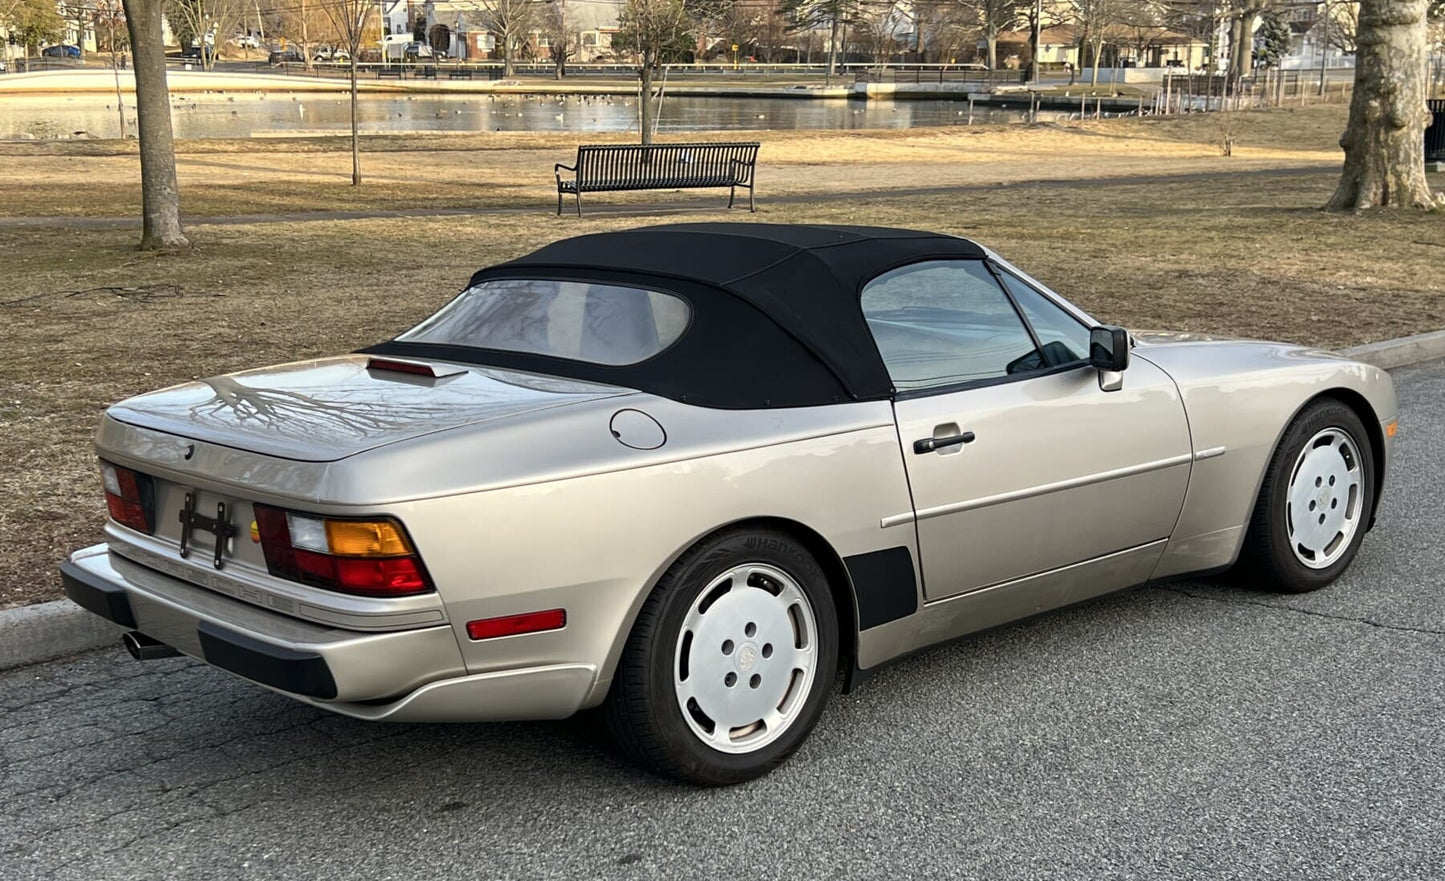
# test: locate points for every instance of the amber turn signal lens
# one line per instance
(366, 538)
(1392, 428)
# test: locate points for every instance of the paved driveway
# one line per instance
(1191, 730)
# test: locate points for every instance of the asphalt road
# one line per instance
(1193, 730)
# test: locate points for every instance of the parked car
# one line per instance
(285, 56)
(61, 52)
(246, 41)
(689, 473)
(415, 51)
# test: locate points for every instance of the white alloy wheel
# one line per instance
(1325, 498)
(745, 659)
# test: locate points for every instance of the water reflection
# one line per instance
(244, 114)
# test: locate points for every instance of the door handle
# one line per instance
(932, 444)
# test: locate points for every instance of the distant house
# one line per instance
(1122, 46)
(1314, 41)
(459, 29)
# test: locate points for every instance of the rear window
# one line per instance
(577, 320)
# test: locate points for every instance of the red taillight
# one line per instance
(415, 368)
(324, 553)
(129, 497)
(514, 625)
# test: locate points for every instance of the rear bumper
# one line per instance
(410, 675)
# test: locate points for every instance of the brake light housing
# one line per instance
(129, 497)
(364, 557)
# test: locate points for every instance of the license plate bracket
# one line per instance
(219, 526)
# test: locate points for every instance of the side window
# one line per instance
(1063, 338)
(945, 322)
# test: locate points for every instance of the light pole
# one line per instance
(1324, 46)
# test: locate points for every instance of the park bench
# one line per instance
(1435, 133)
(388, 70)
(459, 73)
(426, 72)
(615, 167)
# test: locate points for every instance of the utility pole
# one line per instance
(1324, 46)
(260, 26)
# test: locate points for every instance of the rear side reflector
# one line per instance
(514, 625)
(129, 497)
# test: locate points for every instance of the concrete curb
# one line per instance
(1401, 352)
(44, 632)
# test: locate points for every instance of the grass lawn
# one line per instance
(264, 175)
(85, 320)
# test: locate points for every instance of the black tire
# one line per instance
(642, 709)
(1267, 560)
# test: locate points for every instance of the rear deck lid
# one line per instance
(328, 409)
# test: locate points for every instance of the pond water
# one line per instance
(249, 113)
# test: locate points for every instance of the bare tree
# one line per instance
(1243, 17)
(656, 32)
(836, 15)
(564, 40)
(1384, 143)
(1095, 18)
(160, 196)
(993, 18)
(511, 21)
(202, 22)
(878, 27)
(303, 22)
(353, 22)
(109, 17)
(1342, 23)
(733, 23)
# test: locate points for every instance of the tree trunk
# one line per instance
(832, 53)
(991, 36)
(160, 196)
(1384, 142)
(1243, 60)
(119, 100)
(645, 99)
(305, 38)
(506, 57)
(355, 140)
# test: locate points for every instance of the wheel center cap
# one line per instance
(747, 657)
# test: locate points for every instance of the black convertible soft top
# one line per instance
(776, 315)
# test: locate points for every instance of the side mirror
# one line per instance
(1109, 348)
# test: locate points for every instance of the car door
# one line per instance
(1018, 461)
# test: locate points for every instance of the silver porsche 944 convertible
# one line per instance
(690, 474)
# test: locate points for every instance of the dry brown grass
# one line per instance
(222, 177)
(86, 320)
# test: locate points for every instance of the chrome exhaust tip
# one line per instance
(143, 648)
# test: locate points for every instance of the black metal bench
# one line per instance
(388, 70)
(459, 73)
(615, 167)
(1435, 133)
(426, 72)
